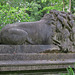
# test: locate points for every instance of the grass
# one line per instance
(70, 72)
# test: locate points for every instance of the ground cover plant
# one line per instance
(70, 71)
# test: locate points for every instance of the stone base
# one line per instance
(36, 61)
(27, 48)
(35, 65)
(21, 58)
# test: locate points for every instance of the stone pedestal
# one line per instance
(34, 57)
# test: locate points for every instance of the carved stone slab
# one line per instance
(34, 65)
(33, 57)
(26, 48)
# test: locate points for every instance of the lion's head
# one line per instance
(64, 24)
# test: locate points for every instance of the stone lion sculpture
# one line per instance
(55, 28)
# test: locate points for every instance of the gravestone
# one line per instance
(41, 45)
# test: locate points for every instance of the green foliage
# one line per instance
(10, 15)
(32, 9)
(28, 10)
(70, 71)
(73, 6)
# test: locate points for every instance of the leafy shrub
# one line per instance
(17, 11)
(11, 14)
(27, 10)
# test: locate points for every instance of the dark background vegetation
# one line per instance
(12, 11)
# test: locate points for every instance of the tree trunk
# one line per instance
(69, 5)
(63, 5)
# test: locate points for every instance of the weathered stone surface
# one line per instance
(37, 56)
(54, 28)
(33, 57)
(34, 73)
(38, 45)
(27, 48)
(34, 65)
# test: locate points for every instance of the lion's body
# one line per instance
(26, 33)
